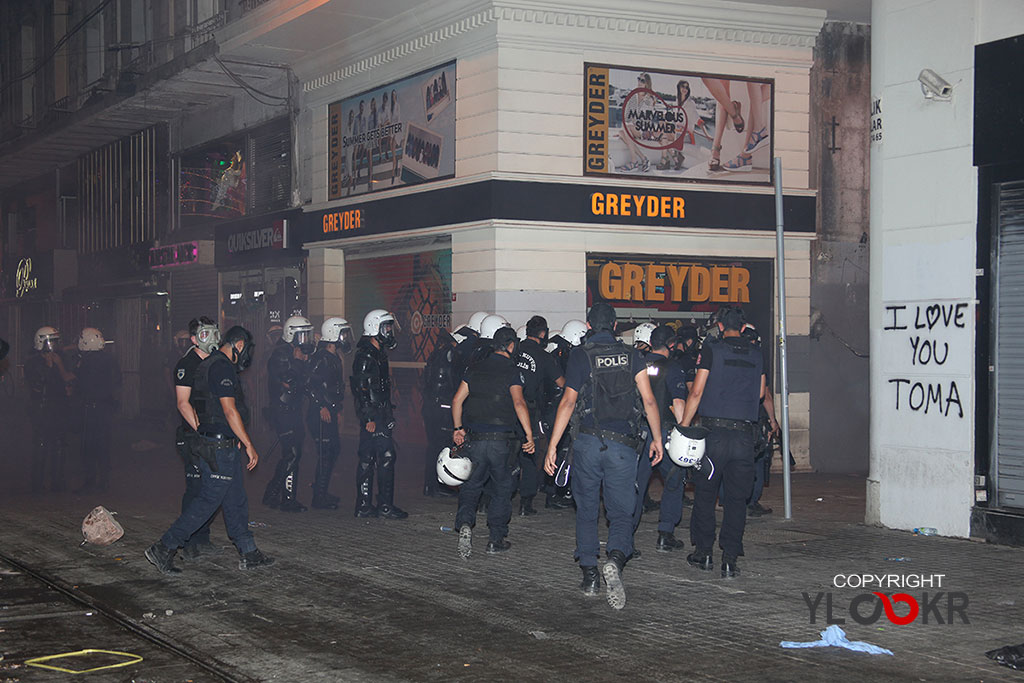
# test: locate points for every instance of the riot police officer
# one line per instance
(668, 383)
(287, 377)
(466, 349)
(438, 389)
(492, 395)
(726, 392)
(47, 381)
(602, 385)
(97, 386)
(327, 396)
(221, 443)
(542, 377)
(559, 491)
(205, 338)
(371, 388)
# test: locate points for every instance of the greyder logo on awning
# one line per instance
(940, 607)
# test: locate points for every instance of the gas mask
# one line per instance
(243, 359)
(386, 334)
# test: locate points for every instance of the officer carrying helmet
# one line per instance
(605, 384)
(47, 381)
(288, 377)
(221, 444)
(439, 383)
(488, 411)
(371, 388)
(726, 393)
(97, 386)
(326, 399)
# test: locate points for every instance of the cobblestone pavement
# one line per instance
(373, 600)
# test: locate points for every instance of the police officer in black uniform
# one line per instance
(726, 391)
(605, 384)
(205, 338)
(371, 388)
(288, 377)
(668, 383)
(97, 386)
(542, 378)
(488, 410)
(220, 446)
(47, 381)
(438, 389)
(327, 396)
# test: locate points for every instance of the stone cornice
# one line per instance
(730, 22)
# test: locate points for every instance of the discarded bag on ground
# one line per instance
(100, 528)
(1011, 656)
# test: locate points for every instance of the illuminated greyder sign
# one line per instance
(23, 280)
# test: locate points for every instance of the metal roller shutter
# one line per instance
(1009, 352)
(194, 292)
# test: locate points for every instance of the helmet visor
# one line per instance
(387, 334)
(345, 339)
(51, 342)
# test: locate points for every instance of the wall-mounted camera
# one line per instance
(934, 86)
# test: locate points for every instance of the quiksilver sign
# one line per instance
(260, 238)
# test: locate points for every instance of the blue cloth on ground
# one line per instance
(834, 636)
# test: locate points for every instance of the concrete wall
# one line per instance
(923, 218)
(840, 83)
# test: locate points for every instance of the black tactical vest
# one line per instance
(612, 394)
(733, 388)
(208, 409)
(489, 401)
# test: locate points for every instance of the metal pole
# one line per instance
(780, 251)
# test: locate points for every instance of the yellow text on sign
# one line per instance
(676, 283)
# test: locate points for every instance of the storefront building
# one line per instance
(547, 159)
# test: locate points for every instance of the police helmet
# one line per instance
(382, 325)
(686, 445)
(642, 334)
(453, 469)
(476, 320)
(574, 332)
(298, 331)
(91, 339)
(46, 339)
(337, 331)
(553, 339)
(492, 324)
(521, 332)
(207, 338)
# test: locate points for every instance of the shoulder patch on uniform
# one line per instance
(226, 382)
(181, 373)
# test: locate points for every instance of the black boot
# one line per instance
(526, 508)
(729, 567)
(364, 489)
(322, 500)
(162, 557)
(591, 584)
(386, 487)
(612, 571)
(254, 559)
(650, 504)
(274, 493)
(701, 559)
(289, 503)
(668, 542)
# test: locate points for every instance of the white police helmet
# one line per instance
(453, 469)
(550, 348)
(297, 330)
(574, 332)
(337, 331)
(686, 445)
(521, 332)
(382, 325)
(642, 333)
(91, 339)
(46, 339)
(492, 324)
(476, 320)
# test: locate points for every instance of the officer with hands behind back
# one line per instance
(605, 384)
(326, 398)
(726, 392)
(492, 394)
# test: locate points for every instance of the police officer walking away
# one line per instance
(327, 396)
(97, 386)
(221, 444)
(205, 338)
(542, 377)
(47, 381)
(371, 388)
(287, 376)
(668, 384)
(726, 392)
(602, 383)
(438, 389)
(492, 395)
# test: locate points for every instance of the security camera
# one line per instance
(934, 86)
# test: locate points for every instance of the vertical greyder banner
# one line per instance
(402, 133)
(676, 125)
